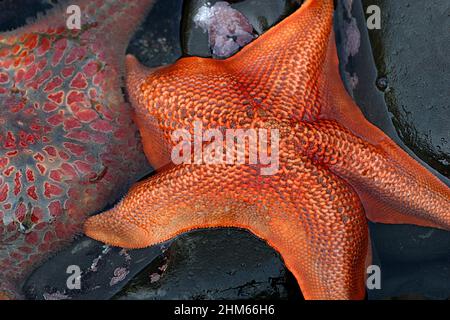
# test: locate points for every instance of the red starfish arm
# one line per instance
(394, 188)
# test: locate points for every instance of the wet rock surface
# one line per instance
(157, 41)
(215, 264)
(233, 264)
(425, 280)
(411, 52)
(15, 13)
(102, 270)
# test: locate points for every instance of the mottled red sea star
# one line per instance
(68, 145)
(336, 169)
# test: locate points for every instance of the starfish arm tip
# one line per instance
(116, 232)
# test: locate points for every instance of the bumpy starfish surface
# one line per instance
(336, 168)
(67, 141)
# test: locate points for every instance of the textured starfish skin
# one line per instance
(336, 169)
(67, 141)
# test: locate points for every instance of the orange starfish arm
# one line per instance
(191, 197)
(393, 187)
(172, 202)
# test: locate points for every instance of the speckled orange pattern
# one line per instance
(335, 167)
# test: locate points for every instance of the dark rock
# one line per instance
(15, 13)
(410, 244)
(411, 50)
(157, 41)
(406, 281)
(104, 271)
(215, 264)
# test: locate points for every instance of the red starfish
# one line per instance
(67, 142)
(335, 167)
